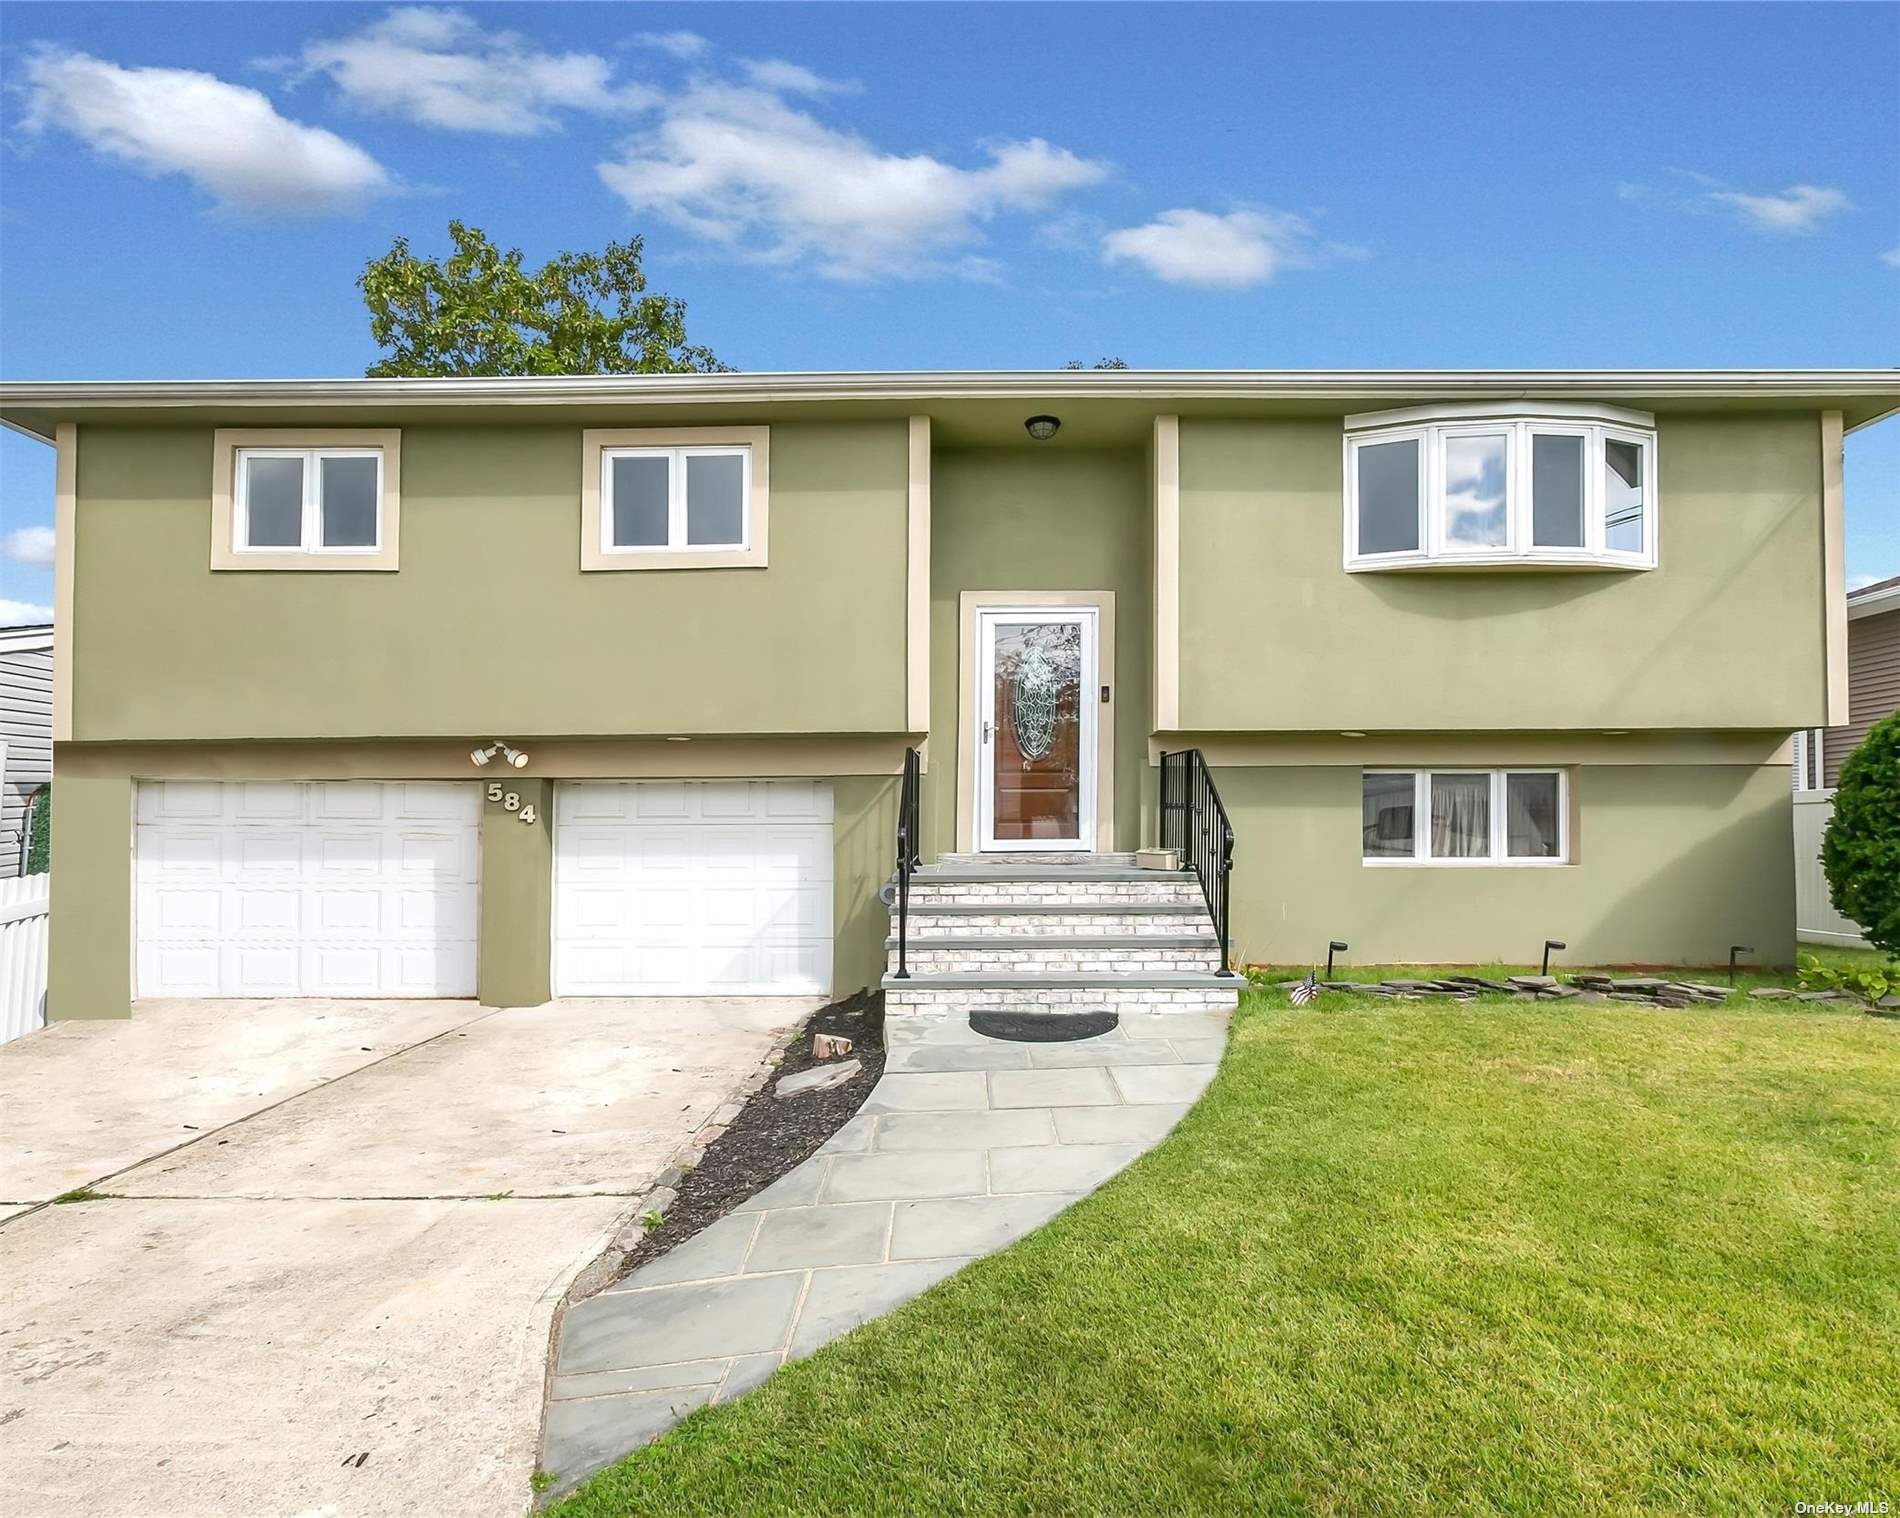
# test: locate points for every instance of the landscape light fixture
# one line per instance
(1330, 948)
(1733, 950)
(1549, 944)
(1042, 428)
(481, 756)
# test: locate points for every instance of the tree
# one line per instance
(479, 312)
(1861, 852)
(1100, 363)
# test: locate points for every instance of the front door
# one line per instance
(1035, 737)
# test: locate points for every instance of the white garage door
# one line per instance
(691, 888)
(329, 888)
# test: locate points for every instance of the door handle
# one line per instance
(986, 732)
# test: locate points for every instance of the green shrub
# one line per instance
(39, 831)
(1861, 852)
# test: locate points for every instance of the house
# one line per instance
(26, 735)
(1873, 685)
(1873, 692)
(607, 686)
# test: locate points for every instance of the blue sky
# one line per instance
(191, 190)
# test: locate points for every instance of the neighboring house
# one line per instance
(1473, 660)
(1873, 692)
(26, 734)
(1873, 685)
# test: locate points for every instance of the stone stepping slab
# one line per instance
(965, 1145)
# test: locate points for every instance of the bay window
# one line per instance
(1459, 486)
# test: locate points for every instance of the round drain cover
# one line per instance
(1042, 1027)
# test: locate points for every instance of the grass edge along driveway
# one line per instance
(1497, 1257)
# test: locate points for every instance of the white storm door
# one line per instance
(693, 888)
(1035, 735)
(306, 888)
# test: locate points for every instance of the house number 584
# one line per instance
(511, 801)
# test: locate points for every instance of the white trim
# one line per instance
(676, 476)
(917, 578)
(1165, 447)
(1421, 856)
(1862, 604)
(65, 542)
(1088, 711)
(1834, 572)
(26, 639)
(1518, 551)
(310, 528)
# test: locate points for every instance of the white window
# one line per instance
(1464, 817)
(308, 500)
(674, 498)
(691, 498)
(1556, 486)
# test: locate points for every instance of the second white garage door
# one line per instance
(692, 888)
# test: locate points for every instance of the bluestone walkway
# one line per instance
(965, 1145)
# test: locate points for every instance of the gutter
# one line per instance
(1153, 385)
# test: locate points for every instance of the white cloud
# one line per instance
(1861, 582)
(1232, 252)
(226, 138)
(794, 78)
(740, 167)
(439, 67)
(22, 613)
(28, 545)
(1800, 208)
(686, 45)
(1892, 257)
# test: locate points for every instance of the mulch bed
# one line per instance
(770, 1137)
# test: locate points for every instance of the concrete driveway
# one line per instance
(329, 1241)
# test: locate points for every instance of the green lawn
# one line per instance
(1475, 1258)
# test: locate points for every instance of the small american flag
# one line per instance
(1305, 991)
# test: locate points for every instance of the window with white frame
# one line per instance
(308, 500)
(1464, 817)
(678, 499)
(1555, 484)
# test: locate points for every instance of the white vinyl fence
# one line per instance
(1815, 920)
(23, 919)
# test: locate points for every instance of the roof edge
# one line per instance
(1160, 385)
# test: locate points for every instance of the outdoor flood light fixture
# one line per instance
(1331, 948)
(481, 756)
(1733, 950)
(1042, 428)
(1549, 944)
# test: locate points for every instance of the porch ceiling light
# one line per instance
(1042, 428)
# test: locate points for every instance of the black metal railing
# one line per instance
(908, 850)
(1194, 824)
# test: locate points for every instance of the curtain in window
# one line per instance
(1530, 816)
(1461, 816)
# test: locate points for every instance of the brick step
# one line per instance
(1068, 993)
(1140, 888)
(1031, 858)
(1018, 957)
(1042, 924)
(1019, 872)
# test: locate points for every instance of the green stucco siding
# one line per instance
(1674, 864)
(1030, 519)
(864, 831)
(1725, 633)
(89, 953)
(490, 625)
(515, 946)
